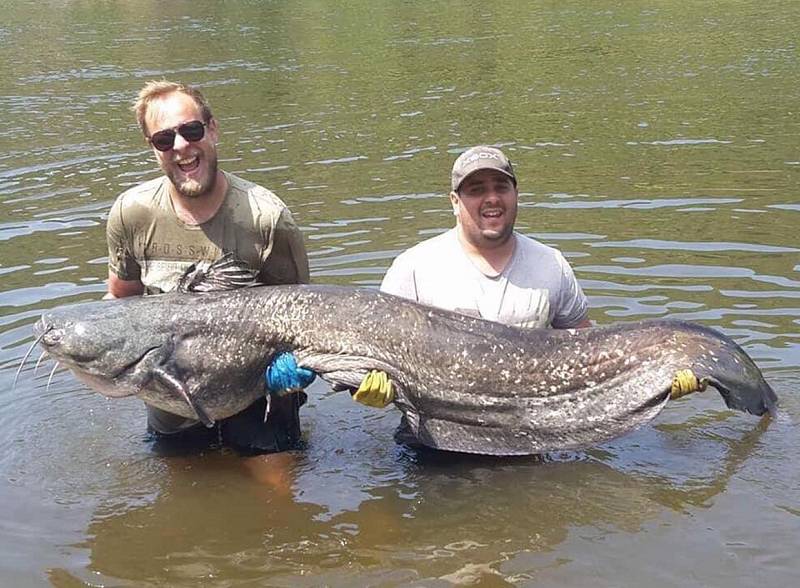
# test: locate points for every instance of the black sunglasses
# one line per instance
(191, 131)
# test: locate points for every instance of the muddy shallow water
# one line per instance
(656, 146)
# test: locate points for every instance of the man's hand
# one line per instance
(376, 390)
(118, 288)
(283, 374)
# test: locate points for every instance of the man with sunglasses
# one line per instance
(196, 212)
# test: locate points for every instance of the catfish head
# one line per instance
(100, 344)
(183, 352)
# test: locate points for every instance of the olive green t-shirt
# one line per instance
(148, 242)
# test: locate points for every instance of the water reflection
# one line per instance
(212, 517)
(657, 148)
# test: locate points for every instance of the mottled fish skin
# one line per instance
(464, 384)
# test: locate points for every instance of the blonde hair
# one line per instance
(156, 89)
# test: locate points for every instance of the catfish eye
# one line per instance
(52, 337)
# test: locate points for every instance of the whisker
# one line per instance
(24, 359)
(38, 361)
(55, 367)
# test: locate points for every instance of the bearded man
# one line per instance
(195, 213)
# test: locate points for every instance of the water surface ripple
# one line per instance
(656, 146)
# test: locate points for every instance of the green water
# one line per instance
(656, 145)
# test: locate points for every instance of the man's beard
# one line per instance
(497, 238)
(192, 188)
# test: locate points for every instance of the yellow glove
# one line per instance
(376, 390)
(684, 383)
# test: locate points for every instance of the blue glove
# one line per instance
(283, 374)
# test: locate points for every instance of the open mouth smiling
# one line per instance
(492, 213)
(188, 164)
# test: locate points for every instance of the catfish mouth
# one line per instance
(90, 366)
(112, 385)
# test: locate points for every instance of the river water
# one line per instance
(656, 143)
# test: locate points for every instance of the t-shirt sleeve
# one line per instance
(286, 261)
(400, 279)
(120, 249)
(573, 305)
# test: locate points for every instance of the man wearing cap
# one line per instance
(482, 267)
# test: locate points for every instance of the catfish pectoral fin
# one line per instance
(344, 379)
(180, 388)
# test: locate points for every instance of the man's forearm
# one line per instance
(119, 288)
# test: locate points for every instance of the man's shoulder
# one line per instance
(533, 248)
(259, 196)
(536, 264)
(428, 261)
(430, 248)
(142, 194)
(139, 205)
(531, 243)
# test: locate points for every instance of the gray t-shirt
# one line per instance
(537, 288)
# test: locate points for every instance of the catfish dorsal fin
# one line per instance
(227, 273)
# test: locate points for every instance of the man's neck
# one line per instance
(491, 260)
(195, 210)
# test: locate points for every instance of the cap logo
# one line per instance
(476, 156)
